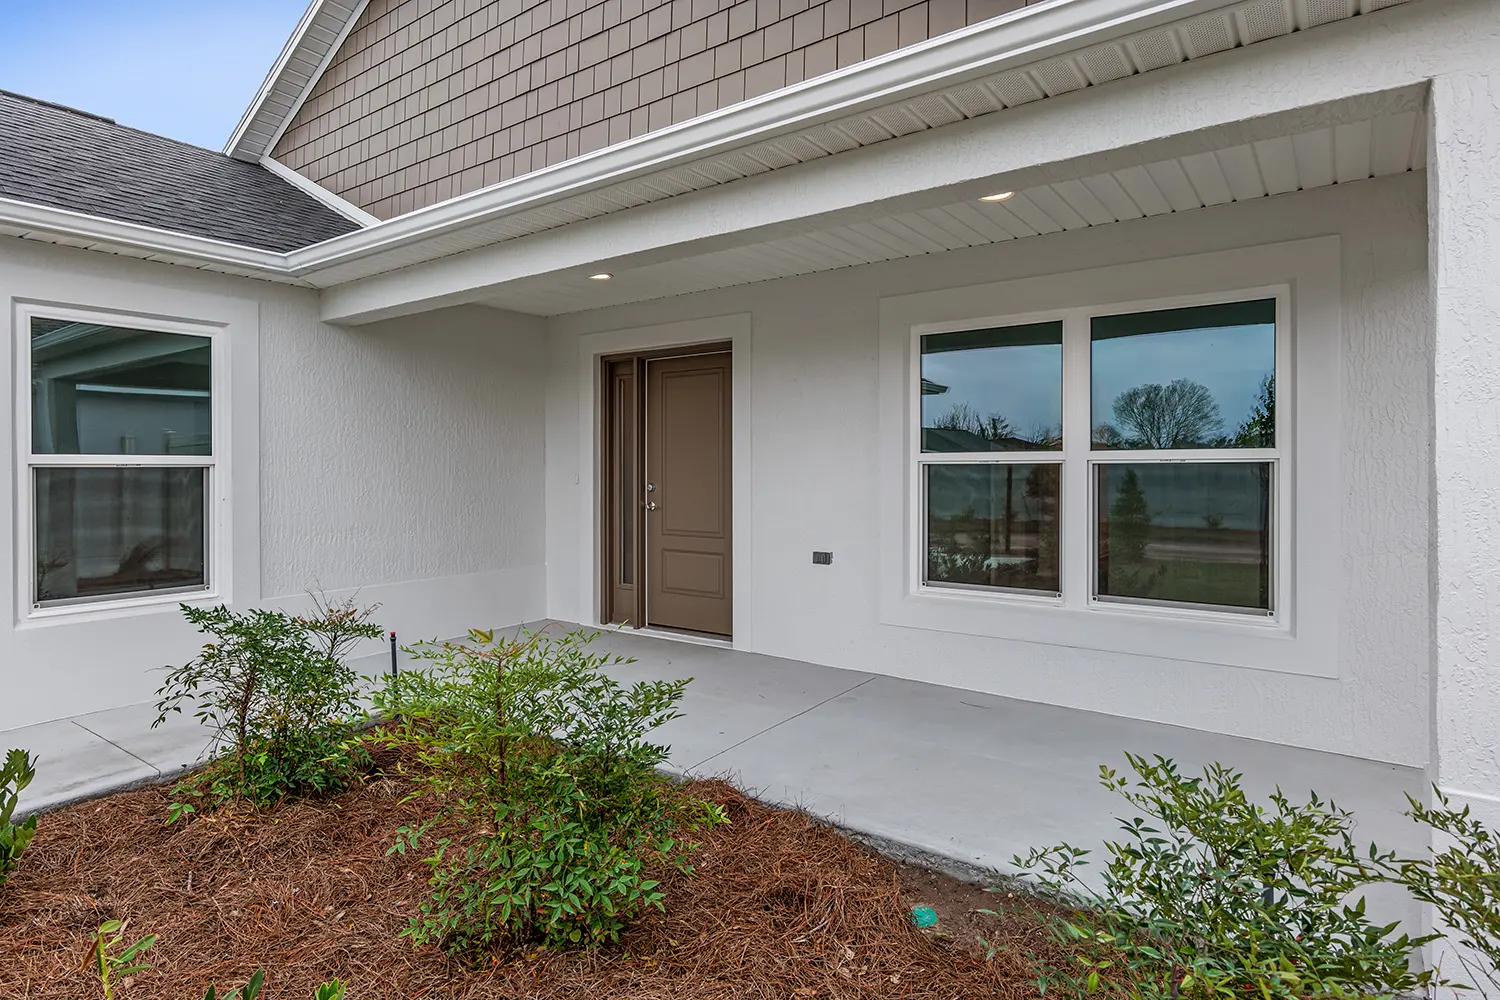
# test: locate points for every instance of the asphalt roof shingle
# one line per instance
(57, 156)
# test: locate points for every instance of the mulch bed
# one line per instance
(781, 906)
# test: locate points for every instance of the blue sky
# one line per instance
(1024, 384)
(182, 69)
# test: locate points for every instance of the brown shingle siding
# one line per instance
(427, 99)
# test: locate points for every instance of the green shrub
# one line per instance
(1462, 883)
(1211, 895)
(279, 699)
(15, 775)
(551, 814)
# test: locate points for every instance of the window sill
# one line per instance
(106, 608)
(1001, 598)
(1214, 638)
(1304, 638)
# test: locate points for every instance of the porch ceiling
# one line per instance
(1039, 54)
(1333, 154)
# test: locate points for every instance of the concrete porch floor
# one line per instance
(967, 776)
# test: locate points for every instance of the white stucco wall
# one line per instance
(1464, 179)
(402, 459)
(404, 451)
(814, 455)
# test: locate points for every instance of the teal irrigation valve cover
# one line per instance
(923, 916)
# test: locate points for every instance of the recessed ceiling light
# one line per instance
(1001, 196)
(601, 276)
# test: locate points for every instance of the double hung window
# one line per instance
(118, 446)
(1162, 420)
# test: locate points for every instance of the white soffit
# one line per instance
(1025, 56)
(1232, 26)
(324, 26)
(1378, 147)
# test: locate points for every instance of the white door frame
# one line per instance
(736, 330)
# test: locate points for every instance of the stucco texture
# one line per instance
(399, 451)
(815, 347)
(402, 461)
(1465, 234)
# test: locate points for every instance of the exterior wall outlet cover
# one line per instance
(822, 558)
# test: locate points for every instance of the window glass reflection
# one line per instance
(1201, 377)
(106, 390)
(993, 390)
(1194, 533)
(993, 526)
(105, 531)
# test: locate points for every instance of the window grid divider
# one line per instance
(136, 461)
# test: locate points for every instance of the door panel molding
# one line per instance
(689, 469)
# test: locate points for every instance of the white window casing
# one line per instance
(1299, 635)
(230, 549)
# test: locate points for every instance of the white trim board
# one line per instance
(347, 209)
(318, 36)
(735, 328)
(1305, 639)
(234, 327)
(962, 74)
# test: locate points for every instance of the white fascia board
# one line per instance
(1010, 41)
(1015, 39)
(113, 233)
(922, 170)
(240, 144)
(347, 209)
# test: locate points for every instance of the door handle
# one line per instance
(649, 505)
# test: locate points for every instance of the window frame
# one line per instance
(1078, 505)
(919, 459)
(215, 466)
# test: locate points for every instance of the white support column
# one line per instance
(1464, 263)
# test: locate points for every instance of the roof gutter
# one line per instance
(983, 49)
(133, 239)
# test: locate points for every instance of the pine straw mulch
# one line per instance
(781, 906)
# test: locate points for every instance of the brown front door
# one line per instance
(666, 496)
(688, 461)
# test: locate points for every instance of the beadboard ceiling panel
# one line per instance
(1232, 27)
(1341, 154)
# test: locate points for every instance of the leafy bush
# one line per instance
(551, 814)
(278, 697)
(15, 775)
(1462, 883)
(1215, 896)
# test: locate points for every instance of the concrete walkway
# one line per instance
(967, 776)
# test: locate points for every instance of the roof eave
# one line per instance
(80, 229)
(1015, 39)
(249, 142)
